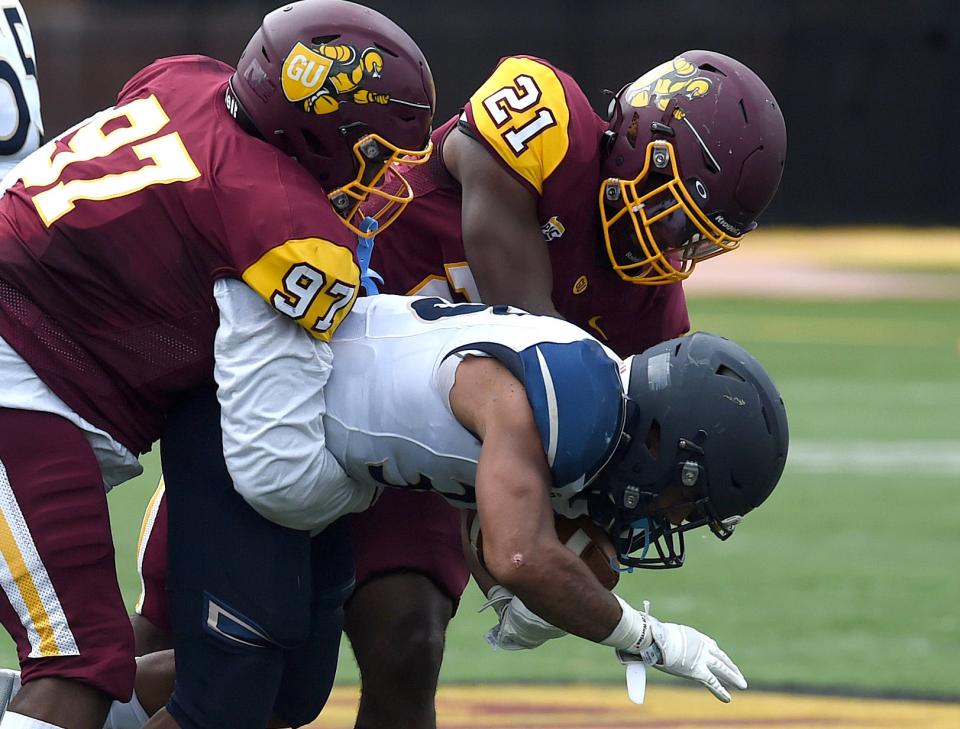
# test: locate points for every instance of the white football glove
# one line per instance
(519, 628)
(686, 652)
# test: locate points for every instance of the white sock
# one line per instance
(19, 721)
(129, 715)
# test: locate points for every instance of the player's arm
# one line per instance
(521, 548)
(500, 228)
(517, 627)
(270, 376)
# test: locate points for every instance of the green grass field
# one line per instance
(848, 577)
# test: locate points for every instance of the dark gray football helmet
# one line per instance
(705, 421)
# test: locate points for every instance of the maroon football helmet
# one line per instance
(344, 90)
(694, 153)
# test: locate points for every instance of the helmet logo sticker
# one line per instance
(322, 78)
(304, 72)
(580, 285)
(658, 371)
(660, 85)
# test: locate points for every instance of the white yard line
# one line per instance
(901, 457)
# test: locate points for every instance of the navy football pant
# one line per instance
(256, 608)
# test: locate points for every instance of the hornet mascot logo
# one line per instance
(678, 77)
(325, 77)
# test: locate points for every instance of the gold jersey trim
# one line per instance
(311, 280)
(521, 111)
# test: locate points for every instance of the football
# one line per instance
(581, 536)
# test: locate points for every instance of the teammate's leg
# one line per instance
(61, 601)
(410, 575)
(399, 651)
(151, 619)
(239, 586)
(310, 669)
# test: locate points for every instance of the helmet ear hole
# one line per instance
(314, 143)
(653, 439)
(633, 130)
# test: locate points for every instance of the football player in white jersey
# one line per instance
(519, 417)
(20, 125)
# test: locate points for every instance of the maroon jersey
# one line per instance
(112, 238)
(536, 122)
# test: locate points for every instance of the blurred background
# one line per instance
(868, 87)
(849, 293)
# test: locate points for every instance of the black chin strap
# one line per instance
(236, 110)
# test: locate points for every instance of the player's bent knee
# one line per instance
(309, 673)
(397, 623)
(418, 653)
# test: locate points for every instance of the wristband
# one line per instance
(498, 597)
(633, 633)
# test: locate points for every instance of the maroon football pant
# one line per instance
(405, 531)
(61, 602)
(411, 531)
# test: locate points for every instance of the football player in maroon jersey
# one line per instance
(121, 243)
(536, 201)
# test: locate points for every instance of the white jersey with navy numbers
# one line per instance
(20, 124)
(388, 419)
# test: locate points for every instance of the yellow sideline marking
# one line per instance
(859, 248)
(605, 707)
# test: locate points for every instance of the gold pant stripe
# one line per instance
(28, 590)
(146, 528)
(27, 584)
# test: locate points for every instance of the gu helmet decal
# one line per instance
(327, 76)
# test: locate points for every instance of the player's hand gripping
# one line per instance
(519, 628)
(686, 652)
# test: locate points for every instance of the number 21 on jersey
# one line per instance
(504, 104)
(103, 134)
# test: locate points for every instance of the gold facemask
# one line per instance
(375, 156)
(658, 235)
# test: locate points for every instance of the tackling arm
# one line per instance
(500, 228)
(270, 375)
